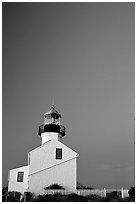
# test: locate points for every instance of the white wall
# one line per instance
(44, 156)
(46, 136)
(13, 185)
(63, 174)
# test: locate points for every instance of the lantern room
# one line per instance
(52, 117)
(52, 123)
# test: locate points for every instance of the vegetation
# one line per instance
(4, 193)
(131, 193)
(85, 187)
(11, 197)
(58, 197)
(80, 186)
(4, 190)
(78, 198)
(55, 186)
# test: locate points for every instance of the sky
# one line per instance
(82, 55)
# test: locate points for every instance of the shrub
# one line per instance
(60, 198)
(4, 190)
(113, 197)
(76, 198)
(55, 186)
(44, 198)
(93, 197)
(13, 196)
(4, 193)
(80, 186)
(131, 193)
(87, 187)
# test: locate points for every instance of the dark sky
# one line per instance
(82, 54)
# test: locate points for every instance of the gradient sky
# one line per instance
(82, 54)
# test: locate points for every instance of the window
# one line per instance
(58, 153)
(20, 176)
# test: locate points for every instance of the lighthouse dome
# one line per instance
(53, 113)
(52, 116)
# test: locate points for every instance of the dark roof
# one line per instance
(52, 111)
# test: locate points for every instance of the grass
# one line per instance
(78, 198)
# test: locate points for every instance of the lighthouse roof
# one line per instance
(52, 111)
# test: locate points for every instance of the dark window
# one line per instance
(20, 176)
(58, 153)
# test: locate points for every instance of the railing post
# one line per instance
(105, 193)
(78, 192)
(122, 193)
(25, 199)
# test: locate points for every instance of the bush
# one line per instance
(55, 186)
(76, 198)
(94, 198)
(44, 198)
(60, 198)
(4, 193)
(131, 193)
(88, 188)
(4, 190)
(13, 196)
(80, 186)
(113, 197)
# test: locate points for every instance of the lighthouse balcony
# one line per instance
(52, 128)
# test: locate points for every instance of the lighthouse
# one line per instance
(50, 163)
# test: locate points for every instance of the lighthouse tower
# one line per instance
(51, 129)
